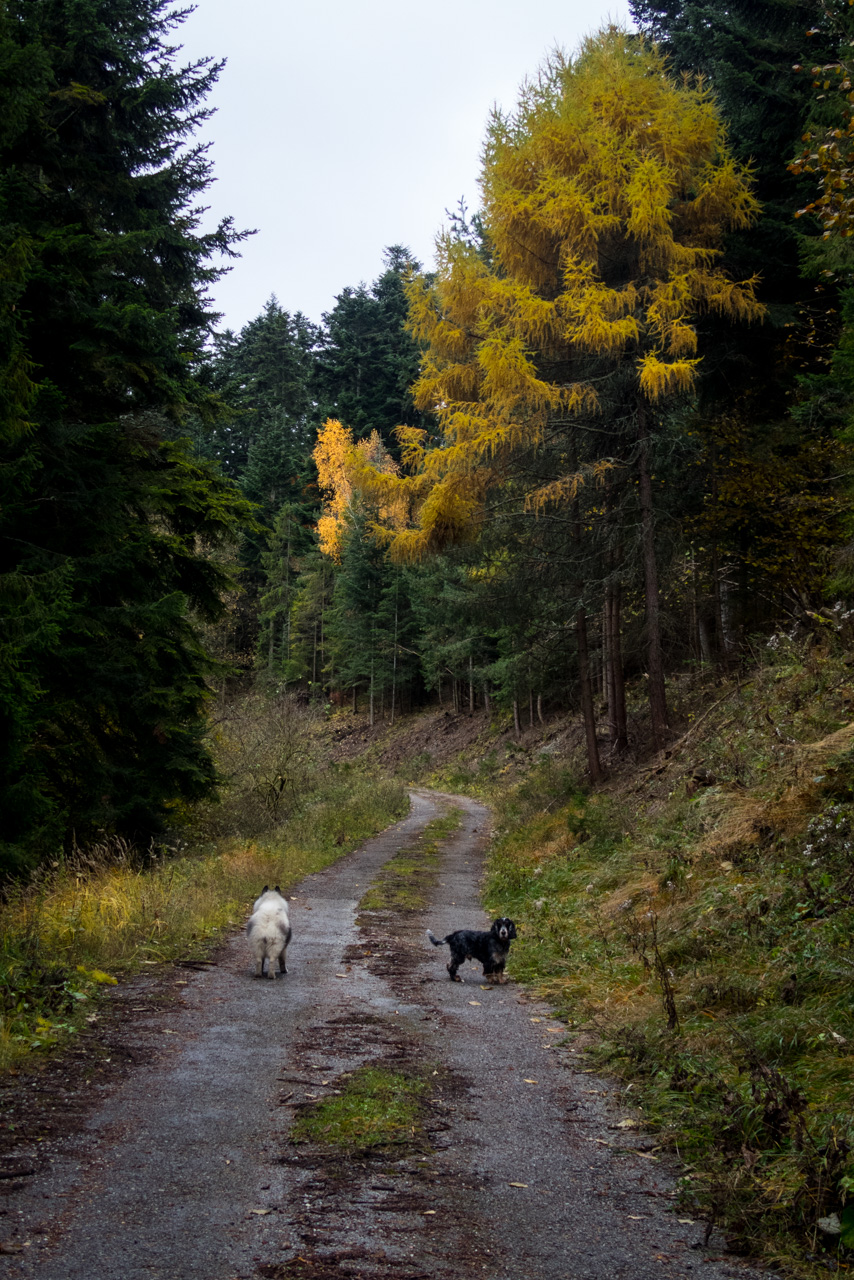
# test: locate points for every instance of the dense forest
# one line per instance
(606, 436)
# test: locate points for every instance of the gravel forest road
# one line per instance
(185, 1170)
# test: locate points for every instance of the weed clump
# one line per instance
(376, 1108)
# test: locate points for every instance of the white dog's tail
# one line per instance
(437, 942)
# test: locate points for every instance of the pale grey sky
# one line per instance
(342, 128)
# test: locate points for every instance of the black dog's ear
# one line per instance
(266, 887)
(511, 932)
(278, 890)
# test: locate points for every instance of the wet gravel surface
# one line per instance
(184, 1167)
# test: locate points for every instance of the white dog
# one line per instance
(269, 932)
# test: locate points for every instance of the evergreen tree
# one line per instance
(750, 51)
(263, 437)
(103, 510)
(266, 427)
(368, 361)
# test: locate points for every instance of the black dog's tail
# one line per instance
(437, 942)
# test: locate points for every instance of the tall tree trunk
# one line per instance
(617, 722)
(588, 710)
(721, 637)
(655, 663)
(471, 685)
(288, 595)
(540, 708)
(394, 658)
(516, 723)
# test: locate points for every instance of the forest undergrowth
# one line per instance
(101, 913)
(691, 923)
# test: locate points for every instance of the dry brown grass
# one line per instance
(746, 820)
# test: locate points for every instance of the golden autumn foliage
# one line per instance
(605, 200)
(339, 459)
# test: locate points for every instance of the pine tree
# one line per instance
(368, 361)
(103, 510)
(750, 51)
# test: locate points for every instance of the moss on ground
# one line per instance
(374, 1108)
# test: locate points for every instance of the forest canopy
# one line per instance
(604, 437)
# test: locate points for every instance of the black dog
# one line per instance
(491, 948)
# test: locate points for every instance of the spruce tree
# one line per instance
(104, 513)
(368, 361)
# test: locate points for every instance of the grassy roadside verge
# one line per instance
(693, 925)
(90, 920)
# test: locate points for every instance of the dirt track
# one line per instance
(185, 1169)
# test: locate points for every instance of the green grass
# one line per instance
(405, 882)
(376, 1108)
(109, 912)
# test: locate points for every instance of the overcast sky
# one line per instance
(344, 126)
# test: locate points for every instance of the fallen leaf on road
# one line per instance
(340, 975)
(517, 1184)
(527, 1081)
(261, 1211)
(636, 1217)
(477, 1002)
(627, 1124)
(428, 1211)
(536, 1019)
(166, 1032)
(689, 1222)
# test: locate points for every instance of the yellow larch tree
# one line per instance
(606, 196)
(338, 458)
